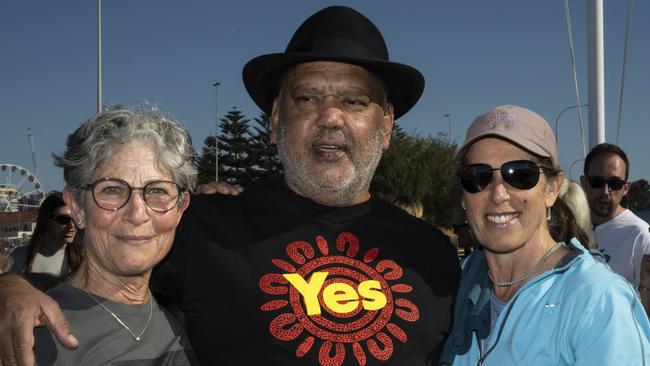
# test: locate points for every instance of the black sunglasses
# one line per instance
(61, 219)
(613, 183)
(520, 174)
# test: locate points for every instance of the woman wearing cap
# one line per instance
(533, 295)
(51, 249)
(127, 175)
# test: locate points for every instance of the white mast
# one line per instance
(596, 65)
(31, 143)
(99, 56)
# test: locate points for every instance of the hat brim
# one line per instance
(262, 77)
(531, 147)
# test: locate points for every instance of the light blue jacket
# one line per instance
(579, 313)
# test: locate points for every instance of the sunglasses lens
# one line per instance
(597, 182)
(476, 177)
(63, 220)
(521, 174)
(614, 184)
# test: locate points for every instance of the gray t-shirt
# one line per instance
(55, 264)
(103, 341)
(496, 306)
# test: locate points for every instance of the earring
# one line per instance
(548, 214)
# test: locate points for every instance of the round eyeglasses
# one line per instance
(113, 193)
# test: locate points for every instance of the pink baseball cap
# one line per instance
(518, 125)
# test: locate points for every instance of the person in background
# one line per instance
(4, 255)
(645, 283)
(52, 248)
(622, 236)
(412, 206)
(574, 196)
(127, 178)
(533, 294)
(462, 234)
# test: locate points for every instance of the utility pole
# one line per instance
(596, 72)
(216, 131)
(557, 120)
(31, 143)
(571, 166)
(448, 115)
(99, 56)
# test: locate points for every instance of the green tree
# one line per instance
(638, 197)
(264, 154)
(113, 107)
(419, 168)
(443, 193)
(398, 132)
(235, 148)
(206, 164)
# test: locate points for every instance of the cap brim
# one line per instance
(534, 149)
(262, 77)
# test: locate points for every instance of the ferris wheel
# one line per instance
(19, 189)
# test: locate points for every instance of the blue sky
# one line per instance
(474, 55)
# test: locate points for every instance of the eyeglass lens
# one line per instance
(520, 174)
(113, 194)
(614, 183)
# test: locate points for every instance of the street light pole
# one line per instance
(99, 56)
(216, 131)
(448, 115)
(558, 120)
(571, 166)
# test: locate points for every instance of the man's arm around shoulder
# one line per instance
(22, 308)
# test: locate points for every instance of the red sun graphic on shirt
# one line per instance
(337, 301)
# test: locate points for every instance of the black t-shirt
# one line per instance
(270, 277)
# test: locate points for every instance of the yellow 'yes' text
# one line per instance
(338, 297)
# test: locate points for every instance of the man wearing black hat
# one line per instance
(309, 268)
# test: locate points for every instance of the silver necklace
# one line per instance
(541, 262)
(136, 338)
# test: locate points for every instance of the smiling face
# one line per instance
(330, 129)
(131, 240)
(62, 233)
(504, 219)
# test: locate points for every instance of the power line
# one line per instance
(623, 73)
(567, 17)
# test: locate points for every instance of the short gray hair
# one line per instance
(97, 138)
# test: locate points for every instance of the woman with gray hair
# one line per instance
(128, 174)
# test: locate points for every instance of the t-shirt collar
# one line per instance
(335, 215)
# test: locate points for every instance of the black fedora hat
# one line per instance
(341, 34)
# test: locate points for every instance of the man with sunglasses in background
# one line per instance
(621, 235)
